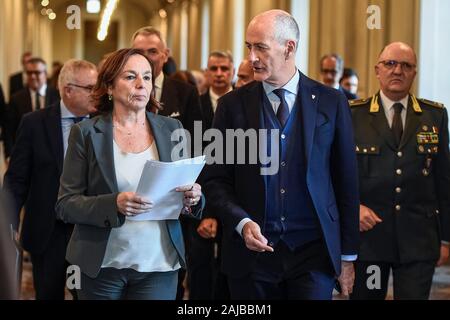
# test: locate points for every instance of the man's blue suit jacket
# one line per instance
(236, 191)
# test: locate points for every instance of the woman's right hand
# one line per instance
(130, 204)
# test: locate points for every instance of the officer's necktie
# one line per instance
(77, 119)
(38, 101)
(397, 124)
(283, 109)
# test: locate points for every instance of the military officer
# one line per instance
(404, 176)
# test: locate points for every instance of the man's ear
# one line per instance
(167, 54)
(290, 49)
(67, 91)
(376, 70)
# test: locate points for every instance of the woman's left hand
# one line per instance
(192, 194)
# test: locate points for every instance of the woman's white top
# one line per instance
(144, 246)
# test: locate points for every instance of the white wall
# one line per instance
(300, 11)
(434, 64)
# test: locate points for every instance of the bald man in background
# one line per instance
(245, 73)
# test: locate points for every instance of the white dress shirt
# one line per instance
(144, 246)
(42, 92)
(388, 106)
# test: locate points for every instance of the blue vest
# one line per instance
(290, 213)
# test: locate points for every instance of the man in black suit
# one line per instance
(36, 95)
(178, 99)
(331, 70)
(402, 144)
(33, 175)
(204, 277)
(17, 80)
(290, 220)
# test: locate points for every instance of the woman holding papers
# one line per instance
(121, 257)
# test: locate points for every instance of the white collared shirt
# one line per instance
(159, 81)
(290, 95)
(66, 124)
(215, 97)
(388, 106)
(42, 92)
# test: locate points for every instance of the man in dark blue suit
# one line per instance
(32, 178)
(287, 235)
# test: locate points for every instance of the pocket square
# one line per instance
(174, 115)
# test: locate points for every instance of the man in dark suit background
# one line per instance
(331, 70)
(17, 80)
(404, 173)
(289, 233)
(219, 75)
(179, 100)
(350, 81)
(33, 174)
(36, 95)
(204, 237)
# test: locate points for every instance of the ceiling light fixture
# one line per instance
(93, 6)
(106, 18)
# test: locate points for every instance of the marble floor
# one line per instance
(439, 291)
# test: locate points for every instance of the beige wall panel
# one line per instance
(174, 34)
(11, 39)
(340, 26)
(194, 41)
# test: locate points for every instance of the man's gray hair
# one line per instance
(70, 68)
(286, 28)
(222, 54)
(148, 31)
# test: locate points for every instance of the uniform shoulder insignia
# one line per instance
(432, 103)
(358, 102)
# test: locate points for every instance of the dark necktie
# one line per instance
(77, 119)
(283, 109)
(38, 101)
(397, 124)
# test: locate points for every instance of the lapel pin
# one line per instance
(313, 96)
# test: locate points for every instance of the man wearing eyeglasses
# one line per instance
(331, 71)
(36, 95)
(33, 176)
(404, 174)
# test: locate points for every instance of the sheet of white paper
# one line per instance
(158, 182)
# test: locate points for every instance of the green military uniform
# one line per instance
(407, 186)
